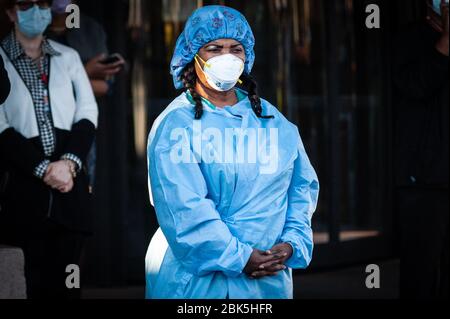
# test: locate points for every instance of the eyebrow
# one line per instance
(221, 46)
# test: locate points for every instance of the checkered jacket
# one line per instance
(48, 100)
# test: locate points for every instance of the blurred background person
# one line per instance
(421, 77)
(47, 125)
(90, 41)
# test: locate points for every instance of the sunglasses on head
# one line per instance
(25, 5)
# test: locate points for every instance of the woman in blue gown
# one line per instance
(229, 177)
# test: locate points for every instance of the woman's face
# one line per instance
(25, 5)
(217, 48)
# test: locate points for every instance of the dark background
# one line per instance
(317, 62)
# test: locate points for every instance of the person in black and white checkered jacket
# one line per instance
(47, 126)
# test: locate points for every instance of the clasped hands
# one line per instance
(268, 263)
(59, 176)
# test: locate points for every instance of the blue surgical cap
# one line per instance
(207, 24)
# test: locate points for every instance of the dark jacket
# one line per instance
(421, 77)
(4, 83)
(26, 201)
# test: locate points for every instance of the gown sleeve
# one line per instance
(196, 234)
(302, 202)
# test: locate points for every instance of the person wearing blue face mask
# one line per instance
(47, 125)
(90, 41)
(421, 79)
(231, 226)
(36, 17)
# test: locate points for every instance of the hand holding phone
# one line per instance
(102, 67)
(113, 58)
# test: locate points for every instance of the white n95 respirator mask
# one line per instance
(222, 72)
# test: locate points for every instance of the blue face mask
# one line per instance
(437, 6)
(34, 21)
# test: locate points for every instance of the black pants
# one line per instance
(424, 227)
(48, 250)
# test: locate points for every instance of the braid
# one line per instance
(189, 79)
(252, 88)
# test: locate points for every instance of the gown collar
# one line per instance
(240, 94)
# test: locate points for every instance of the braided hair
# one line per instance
(251, 86)
(189, 78)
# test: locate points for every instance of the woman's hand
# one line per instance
(281, 254)
(67, 188)
(59, 176)
(258, 258)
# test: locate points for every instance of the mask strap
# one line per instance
(204, 62)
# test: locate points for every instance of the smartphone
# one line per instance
(113, 58)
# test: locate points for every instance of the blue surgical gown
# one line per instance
(213, 213)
